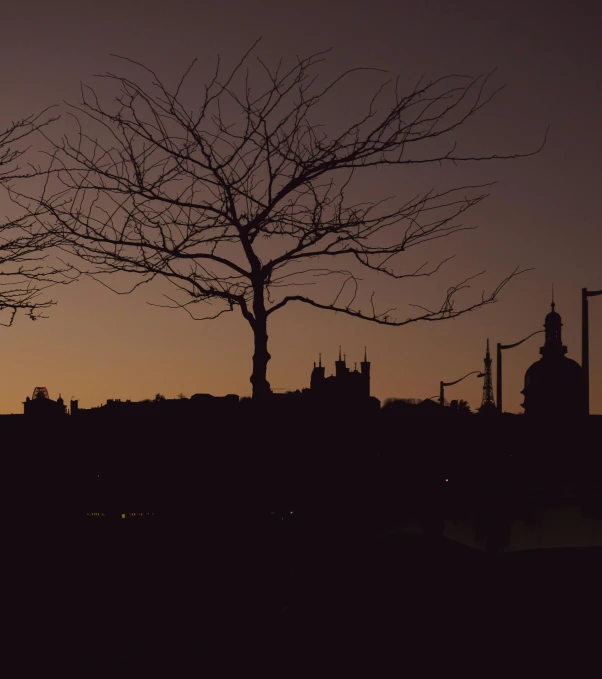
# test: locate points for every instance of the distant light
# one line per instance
(446, 480)
(123, 516)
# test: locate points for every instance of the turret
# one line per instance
(317, 375)
(340, 365)
(553, 328)
(365, 364)
(365, 369)
(554, 384)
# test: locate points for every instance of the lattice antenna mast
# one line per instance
(488, 399)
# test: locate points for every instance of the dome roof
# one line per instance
(553, 385)
(557, 371)
(553, 319)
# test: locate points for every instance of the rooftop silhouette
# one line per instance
(554, 384)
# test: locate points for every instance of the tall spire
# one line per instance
(320, 360)
(340, 359)
(487, 403)
(365, 355)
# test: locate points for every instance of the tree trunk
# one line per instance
(261, 386)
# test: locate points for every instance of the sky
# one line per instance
(543, 213)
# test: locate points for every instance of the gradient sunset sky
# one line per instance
(544, 212)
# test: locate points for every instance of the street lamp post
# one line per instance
(499, 366)
(442, 384)
(585, 293)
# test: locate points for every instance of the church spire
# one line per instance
(365, 355)
(340, 367)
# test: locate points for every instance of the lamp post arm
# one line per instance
(499, 365)
(450, 384)
(511, 346)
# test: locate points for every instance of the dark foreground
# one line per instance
(214, 584)
(140, 602)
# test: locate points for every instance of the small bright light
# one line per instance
(446, 480)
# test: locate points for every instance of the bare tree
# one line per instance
(24, 244)
(243, 195)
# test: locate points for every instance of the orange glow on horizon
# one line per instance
(96, 345)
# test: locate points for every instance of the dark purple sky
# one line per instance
(543, 213)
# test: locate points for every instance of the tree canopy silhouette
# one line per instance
(244, 200)
(25, 271)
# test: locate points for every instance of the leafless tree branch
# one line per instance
(233, 191)
(25, 269)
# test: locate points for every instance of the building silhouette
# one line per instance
(553, 385)
(41, 405)
(161, 407)
(345, 385)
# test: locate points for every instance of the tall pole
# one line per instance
(499, 378)
(585, 293)
(585, 348)
(499, 364)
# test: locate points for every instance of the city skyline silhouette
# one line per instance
(96, 346)
(336, 380)
(425, 497)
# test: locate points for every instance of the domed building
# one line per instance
(553, 385)
(41, 405)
